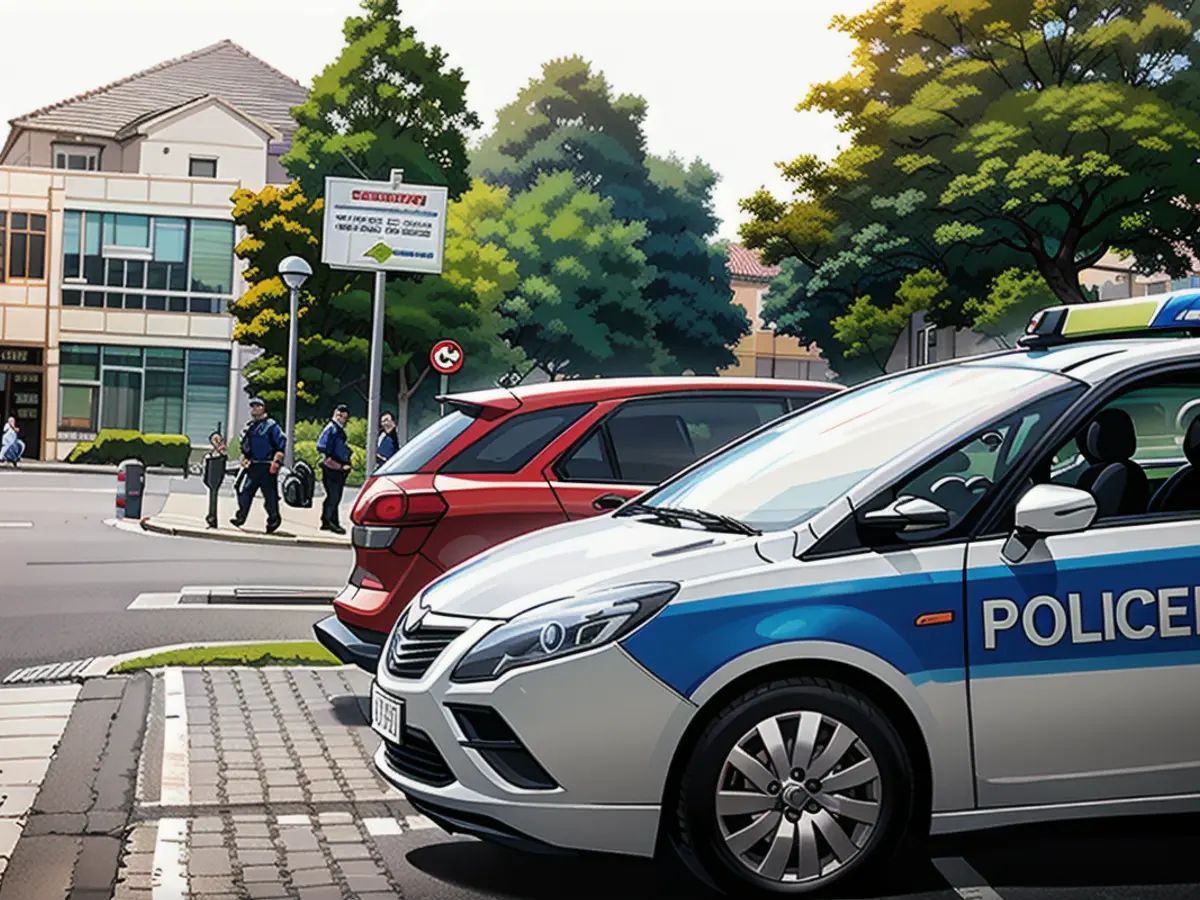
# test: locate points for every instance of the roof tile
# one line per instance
(745, 263)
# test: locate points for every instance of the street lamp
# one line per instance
(294, 271)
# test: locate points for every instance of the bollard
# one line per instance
(131, 480)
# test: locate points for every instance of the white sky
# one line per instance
(722, 79)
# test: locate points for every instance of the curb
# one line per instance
(189, 531)
(88, 469)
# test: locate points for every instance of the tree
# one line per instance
(578, 308)
(1014, 296)
(569, 120)
(871, 331)
(387, 102)
(996, 135)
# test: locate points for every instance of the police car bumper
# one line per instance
(569, 755)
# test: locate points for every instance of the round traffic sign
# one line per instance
(446, 357)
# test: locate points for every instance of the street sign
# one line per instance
(446, 357)
(382, 226)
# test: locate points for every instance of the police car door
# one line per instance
(1082, 647)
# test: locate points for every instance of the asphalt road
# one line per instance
(66, 578)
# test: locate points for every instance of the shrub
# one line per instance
(356, 431)
(113, 446)
(307, 451)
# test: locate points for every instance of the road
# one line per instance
(67, 579)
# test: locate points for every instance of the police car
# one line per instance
(958, 597)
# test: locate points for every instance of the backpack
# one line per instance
(299, 485)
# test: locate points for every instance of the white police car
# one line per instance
(958, 597)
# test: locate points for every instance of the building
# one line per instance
(763, 353)
(117, 245)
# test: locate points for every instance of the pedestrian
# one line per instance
(12, 448)
(335, 467)
(216, 463)
(262, 445)
(389, 440)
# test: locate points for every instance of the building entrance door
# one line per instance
(22, 395)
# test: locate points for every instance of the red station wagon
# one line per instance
(507, 462)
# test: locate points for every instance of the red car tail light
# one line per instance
(401, 508)
(388, 508)
(361, 578)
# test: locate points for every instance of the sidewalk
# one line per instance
(183, 515)
(36, 465)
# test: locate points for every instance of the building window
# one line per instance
(76, 158)
(789, 369)
(927, 345)
(156, 390)
(147, 263)
(22, 246)
(764, 367)
(202, 168)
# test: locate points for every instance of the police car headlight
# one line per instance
(562, 627)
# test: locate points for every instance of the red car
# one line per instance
(507, 462)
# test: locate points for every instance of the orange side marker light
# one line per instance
(939, 618)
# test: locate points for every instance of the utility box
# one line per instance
(131, 484)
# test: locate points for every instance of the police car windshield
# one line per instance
(790, 472)
(426, 445)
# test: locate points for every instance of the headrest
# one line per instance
(1191, 442)
(1109, 438)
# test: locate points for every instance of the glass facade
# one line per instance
(156, 263)
(155, 390)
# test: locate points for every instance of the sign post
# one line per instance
(381, 227)
(446, 357)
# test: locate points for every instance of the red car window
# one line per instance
(426, 445)
(511, 445)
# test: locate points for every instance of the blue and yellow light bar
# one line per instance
(1178, 311)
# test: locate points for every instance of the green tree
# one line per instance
(869, 330)
(992, 135)
(569, 120)
(387, 102)
(578, 308)
(1013, 297)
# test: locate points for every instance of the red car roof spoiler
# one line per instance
(485, 405)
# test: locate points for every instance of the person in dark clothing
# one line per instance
(389, 440)
(262, 446)
(335, 467)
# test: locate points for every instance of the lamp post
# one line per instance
(294, 271)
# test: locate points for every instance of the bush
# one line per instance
(113, 446)
(307, 451)
(356, 431)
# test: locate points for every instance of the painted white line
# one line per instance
(169, 880)
(59, 490)
(175, 788)
(154, 601)
(380, 827)
(418, 823)
(16, 524)
(294, 820)
(965, 881)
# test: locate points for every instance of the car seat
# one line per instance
(1118, 484)
(1181, 492)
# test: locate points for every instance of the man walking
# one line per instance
(335, 467)
(262, 445)
(389, 441)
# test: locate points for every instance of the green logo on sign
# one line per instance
(381, 253)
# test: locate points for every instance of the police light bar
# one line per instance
(1178, 311)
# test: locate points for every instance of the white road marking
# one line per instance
(16, 524)
(175, 788)
(379, 827)
(965, 881)
(169, 879)
(418, 823)
(172, 601)
(294, 820)
(59, 490)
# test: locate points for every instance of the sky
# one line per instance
(722, 79)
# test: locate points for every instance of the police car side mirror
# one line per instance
(1045, 510)
(907, 512)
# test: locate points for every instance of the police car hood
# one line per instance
(600, 552)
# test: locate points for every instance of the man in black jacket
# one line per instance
(335, 467)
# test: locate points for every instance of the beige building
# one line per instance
(763, 353)
(117, 245)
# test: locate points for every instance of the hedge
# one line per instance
(307, 451)
(113, 446)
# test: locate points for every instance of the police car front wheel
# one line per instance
(794, 787)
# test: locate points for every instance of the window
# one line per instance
(648, 441)
(792, 470)
(212, 257)
(158, 390)
(23, 247)
(76, 157)
(791, 369)
(764, 367)
(418, 452)
(202, 168)
(510, 446)
(927, 345)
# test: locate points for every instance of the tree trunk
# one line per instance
(1062, 277)
(402, 408)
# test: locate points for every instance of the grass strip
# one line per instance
(287, 653)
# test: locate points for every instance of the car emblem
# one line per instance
(412, 623)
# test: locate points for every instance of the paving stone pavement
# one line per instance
(263, 788)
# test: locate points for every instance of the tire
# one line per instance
(732, 850)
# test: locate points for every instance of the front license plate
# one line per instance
(387, 716)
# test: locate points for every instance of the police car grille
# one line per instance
(418, 759)
(413, 653)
